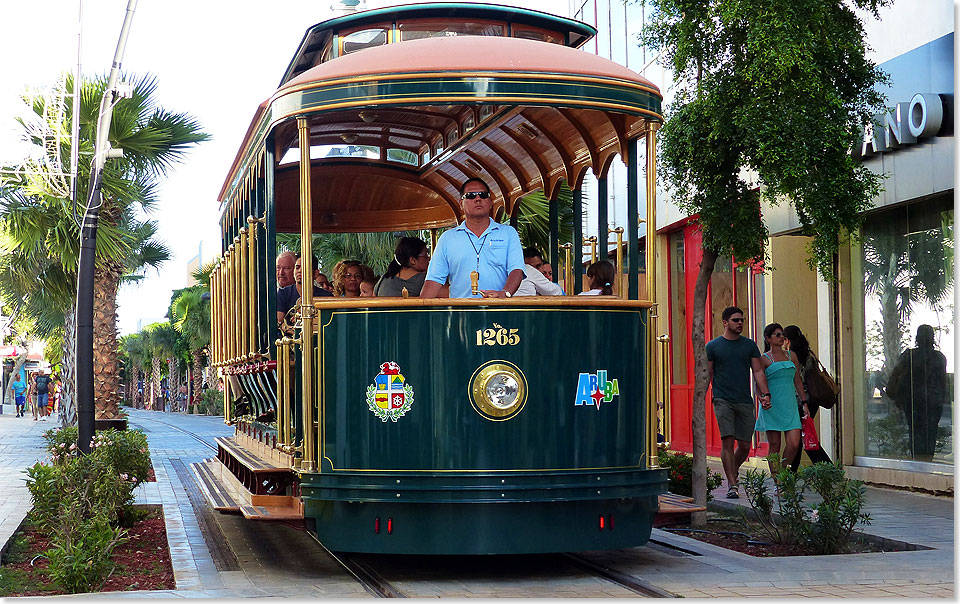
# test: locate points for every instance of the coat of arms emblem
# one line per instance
(389, 396)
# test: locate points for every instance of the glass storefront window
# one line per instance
(907, 338)
(678, 309)
(721, 294)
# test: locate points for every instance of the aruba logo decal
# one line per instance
(389, 396)
(594, 388)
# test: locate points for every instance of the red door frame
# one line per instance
(681, 395)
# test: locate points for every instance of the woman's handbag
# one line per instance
(810, 440)
(821, 387)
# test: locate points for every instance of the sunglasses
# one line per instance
(778, 334)
(475, 194)
(740, 320)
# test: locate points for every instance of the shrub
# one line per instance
(80, 560)
(824, 527)
(211, 402)
(60, 436)
(126, 450)
(680, 473)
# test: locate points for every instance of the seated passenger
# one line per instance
(534, 282)
(285, 262)
(407, 269)
(366, 288)
(289, 297)
(347, 275)
(547, 271)
(601, 275)
(480, 246)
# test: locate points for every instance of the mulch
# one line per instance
(142, 563)
(747, 537)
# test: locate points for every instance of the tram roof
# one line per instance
(557, 112)
(577, 33)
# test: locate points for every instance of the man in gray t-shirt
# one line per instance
(730, 360)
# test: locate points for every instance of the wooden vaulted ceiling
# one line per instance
(516, 150)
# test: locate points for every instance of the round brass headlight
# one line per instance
(498, 390)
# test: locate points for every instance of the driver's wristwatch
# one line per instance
(507, 294)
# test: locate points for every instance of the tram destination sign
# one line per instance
(920, 117)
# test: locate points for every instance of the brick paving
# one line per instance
(271, 566)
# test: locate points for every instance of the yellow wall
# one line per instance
(793, 294)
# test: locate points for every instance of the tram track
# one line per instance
(192, 435)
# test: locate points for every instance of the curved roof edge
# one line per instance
(447, 9)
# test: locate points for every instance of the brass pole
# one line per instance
(619, 232)
(433, 240)
(567, 269)
(281, 401)
(653, 393)
(288, 400)
(653, 372)
(307, 311)
(664, 340)
(242, 326)
(213, 316)
(228, 307)
(253, 345)
(592, 242)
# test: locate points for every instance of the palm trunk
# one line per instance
(68, 373)
(17, 364)
(700, 383)
(106, 368)
(197, 378)
(154, 382)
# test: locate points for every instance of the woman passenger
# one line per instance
(780, 415)
(601, 275)
(347, 276)
(407, 269)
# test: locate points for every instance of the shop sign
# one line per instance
(921, 117)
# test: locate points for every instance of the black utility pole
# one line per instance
(88, 244)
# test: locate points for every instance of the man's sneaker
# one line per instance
(732, 492)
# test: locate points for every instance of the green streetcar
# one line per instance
(439, 426)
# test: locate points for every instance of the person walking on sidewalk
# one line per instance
(19, 394)
(797, 343)
(779, 415)
(730, 360)
(43, 394)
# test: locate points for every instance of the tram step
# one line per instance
(678, 504)
(271, 512)
(252, 461)
(221, 495)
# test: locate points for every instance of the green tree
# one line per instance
(190, 314)
(778, 90)
(161, 339)
(37, 214)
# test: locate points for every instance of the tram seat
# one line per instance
(677, 504)
(258, 383)
(225, 493)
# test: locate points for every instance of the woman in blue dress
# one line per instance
(780, 415)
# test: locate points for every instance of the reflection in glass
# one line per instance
(908, 289)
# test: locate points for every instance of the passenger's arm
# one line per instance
(798, 384)
(542, 285)
(431, 289)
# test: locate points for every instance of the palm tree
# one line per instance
(162, 339)
(191, 317)
(153, 140)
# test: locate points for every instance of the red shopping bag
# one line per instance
(810, 440)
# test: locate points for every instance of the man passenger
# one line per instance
(288, 296)
(534, 282)
(285, 263)
(479, 244)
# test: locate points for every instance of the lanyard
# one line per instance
(475, 248)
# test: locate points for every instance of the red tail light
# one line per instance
(376, 525)
(389, 526)
(611, 522)
(603, 522)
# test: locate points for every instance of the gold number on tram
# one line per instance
(498, 336)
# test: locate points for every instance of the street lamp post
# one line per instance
(88, 242)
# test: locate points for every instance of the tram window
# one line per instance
(403, 156)
(451, 137)
(327, 53)
(426, 29)
(538, 35)
(468, 124)
(426, 156)
(364, 151)
(365, 38)
(486, 111)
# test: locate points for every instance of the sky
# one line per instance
(216, 60)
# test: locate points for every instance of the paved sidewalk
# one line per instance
(684, 566)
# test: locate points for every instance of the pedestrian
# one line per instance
(31, 393)
(779, 416)
(43, 394)
(480, 249)
(796, 343)
(19, 394)
(731, 358)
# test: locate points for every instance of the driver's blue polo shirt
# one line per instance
(456, 255)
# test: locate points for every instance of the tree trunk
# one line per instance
(68, 371)
(17, 364)
(700, 384)
(197, 384)
(106, 368)
(155, 378)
